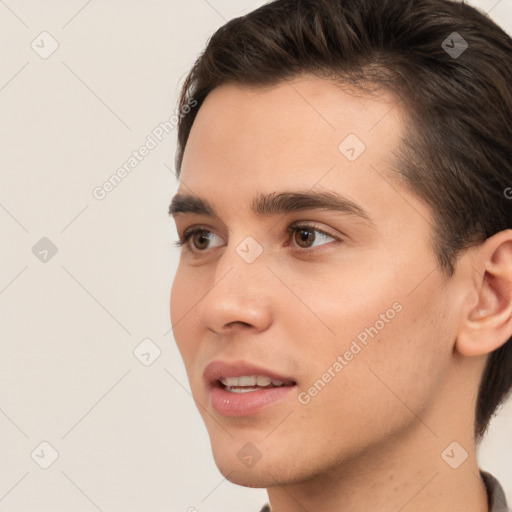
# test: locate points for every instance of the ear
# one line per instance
(487, 325)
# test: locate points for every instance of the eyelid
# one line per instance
(310, 225)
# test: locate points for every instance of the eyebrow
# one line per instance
(264, 205)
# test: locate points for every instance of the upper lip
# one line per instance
(221, 369)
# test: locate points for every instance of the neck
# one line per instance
(409, 475)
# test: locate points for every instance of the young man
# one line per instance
(343, 301)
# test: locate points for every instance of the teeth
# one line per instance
(250, 381)
(263, 380)
(242, 390)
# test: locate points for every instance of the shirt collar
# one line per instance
(495, 494)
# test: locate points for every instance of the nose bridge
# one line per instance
(240, 289)
(244, 262)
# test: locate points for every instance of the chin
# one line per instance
(264, 474)
(234, 470)
(248, 478)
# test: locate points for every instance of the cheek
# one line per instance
(394, 345)
(183, 320)
(178, 299)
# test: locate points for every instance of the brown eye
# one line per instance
(304, 236)
(200, 239)
(197, 240)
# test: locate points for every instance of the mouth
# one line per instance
(251, 383)
(241, 389)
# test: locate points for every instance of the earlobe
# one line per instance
(488, 325)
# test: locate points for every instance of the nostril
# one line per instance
(245, 324)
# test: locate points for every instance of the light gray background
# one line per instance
(128, 436)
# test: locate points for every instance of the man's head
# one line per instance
(381, 103)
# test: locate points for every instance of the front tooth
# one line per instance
(263, 380)
(277, 382)
(245, 380)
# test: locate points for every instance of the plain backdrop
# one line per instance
(95, 410)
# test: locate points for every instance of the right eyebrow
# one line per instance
(188, 203)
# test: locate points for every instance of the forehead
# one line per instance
(319, 102)
(305, 132)
(295, 118)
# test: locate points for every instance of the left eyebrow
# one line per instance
(264, 205)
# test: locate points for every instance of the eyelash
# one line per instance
(188, 234)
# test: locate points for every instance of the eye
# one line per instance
(199, 236)
(306, 235)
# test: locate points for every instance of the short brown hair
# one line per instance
(450, 65)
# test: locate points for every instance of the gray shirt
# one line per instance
(495, 494)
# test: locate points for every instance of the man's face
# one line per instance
(356, 316)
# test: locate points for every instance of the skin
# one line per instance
(372, 438)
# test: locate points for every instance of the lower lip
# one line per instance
(243, 404)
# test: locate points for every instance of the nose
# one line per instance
(239, 296)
